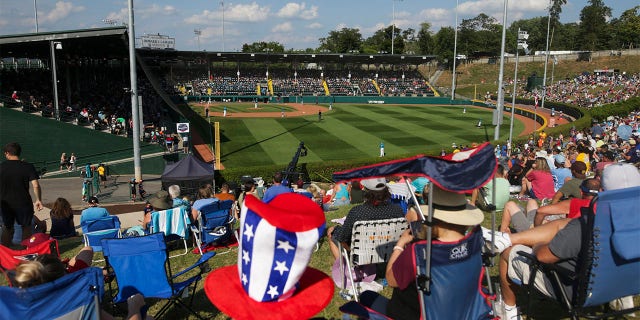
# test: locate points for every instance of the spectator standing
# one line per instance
(63, 160)
(16, 204)
(132, 189)
(72, 162)
(102, 172)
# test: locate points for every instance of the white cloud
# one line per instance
(247, 13)
(282, 27)
(437, 17)
(298, 10)
(235, 13)
(119, 17)
(155, 10)
(315, 25)
(61, 11)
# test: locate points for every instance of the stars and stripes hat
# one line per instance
(272, 278)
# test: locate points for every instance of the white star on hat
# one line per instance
(273, 291)
(248, 231)
(245, 256)
(284, 245)
(281, 266)
(244, 279)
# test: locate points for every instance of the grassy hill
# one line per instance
(485, 76)
(44, 139)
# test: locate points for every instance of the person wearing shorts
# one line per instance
(16, 205)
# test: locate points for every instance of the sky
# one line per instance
(296, 25)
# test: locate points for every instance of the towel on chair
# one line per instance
(171, 221)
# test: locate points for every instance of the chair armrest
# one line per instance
(550, 267)
(204, 258)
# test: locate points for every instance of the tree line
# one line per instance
(481, 35)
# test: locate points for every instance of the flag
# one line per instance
(459, 172)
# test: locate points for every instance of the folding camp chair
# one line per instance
(10, 258)
(371, 242)
(141, 265)
(102, 228)
(215, 224)
(609, 263)
(455, 290)
(174, 223)
(73, 296)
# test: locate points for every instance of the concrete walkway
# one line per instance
(114, 195)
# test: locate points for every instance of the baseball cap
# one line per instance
(559, 158)
(94, 199)
(375, 184)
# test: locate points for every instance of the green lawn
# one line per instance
(353, 132)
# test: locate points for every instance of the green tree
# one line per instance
(479, 34)
(342, 41)
(380, 41)
(443, 44)
(594, 29)
(425, 39)
(537, 29)
(626, 29)
(262, 45)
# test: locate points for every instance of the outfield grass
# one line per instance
(354, 132)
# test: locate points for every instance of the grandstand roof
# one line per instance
(266, 57)
(110, 42)
(88, 43)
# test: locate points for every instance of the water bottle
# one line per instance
(498, 305)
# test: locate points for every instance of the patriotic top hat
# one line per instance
(272, 278)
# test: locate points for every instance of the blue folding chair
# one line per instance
(74, 296)
(215, 224)
(454, 290)
(608, 266)
(141, 265)
(93, 231)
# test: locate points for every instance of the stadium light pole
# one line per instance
(198, 33)
(35, 13)
(500, 103)
(222, 4)
(544, 79)
(55, 45)
(521, 43)
(393, 24)
(134, 96)
(455, 53)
